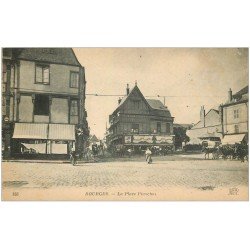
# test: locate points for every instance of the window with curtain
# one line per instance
(74, 79)
(42, 74)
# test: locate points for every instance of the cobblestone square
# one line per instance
(179, 179)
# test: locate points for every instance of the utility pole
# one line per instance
(82, 130)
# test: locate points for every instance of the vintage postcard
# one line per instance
(125, 124)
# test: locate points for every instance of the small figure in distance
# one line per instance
(148, 154)
(73, 157)
(129, 152)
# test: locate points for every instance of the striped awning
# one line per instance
(61, 132)
(232, 139)
(30, 131)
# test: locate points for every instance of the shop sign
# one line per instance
(142, 139)
(164, 139)
(148, 139)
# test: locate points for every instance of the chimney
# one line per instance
(202, 116)
(230, 95)
(127, 89)
(119, 100)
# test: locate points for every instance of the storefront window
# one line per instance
(41, 105)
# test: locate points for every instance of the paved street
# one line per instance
(192, 179)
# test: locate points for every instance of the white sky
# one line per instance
(190, 77)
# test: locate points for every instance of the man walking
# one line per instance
(73, 157)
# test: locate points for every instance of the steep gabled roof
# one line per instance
(156, 107)
(52, 55)
(125, 98)
(241, 92)
(197, 125)
(216, 110)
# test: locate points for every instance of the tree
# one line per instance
(180, 136)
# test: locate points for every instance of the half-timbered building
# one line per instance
(140, 122)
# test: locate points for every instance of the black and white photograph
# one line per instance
(125, 124)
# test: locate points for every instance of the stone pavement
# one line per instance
(161, 176)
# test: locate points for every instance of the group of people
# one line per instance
(236, 151)
(89, 153)
(123, 150)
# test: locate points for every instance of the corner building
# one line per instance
(43, 92)
(139, 122)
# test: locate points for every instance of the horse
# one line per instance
(241, 152)
(237, 151)
(208, 150)
(228, 152)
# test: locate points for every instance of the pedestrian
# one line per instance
(148, 154)
(129, 152)
(73, 157)
(94, 149)
(102, 148)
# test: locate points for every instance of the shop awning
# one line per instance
(30, 131)
(194, 141)
(61, 132)
(232, 139)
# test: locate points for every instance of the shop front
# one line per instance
(139, 143)
(151, 140)
(43, 139)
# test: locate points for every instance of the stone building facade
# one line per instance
(235, 117)
(229, 123)
(43, 92)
